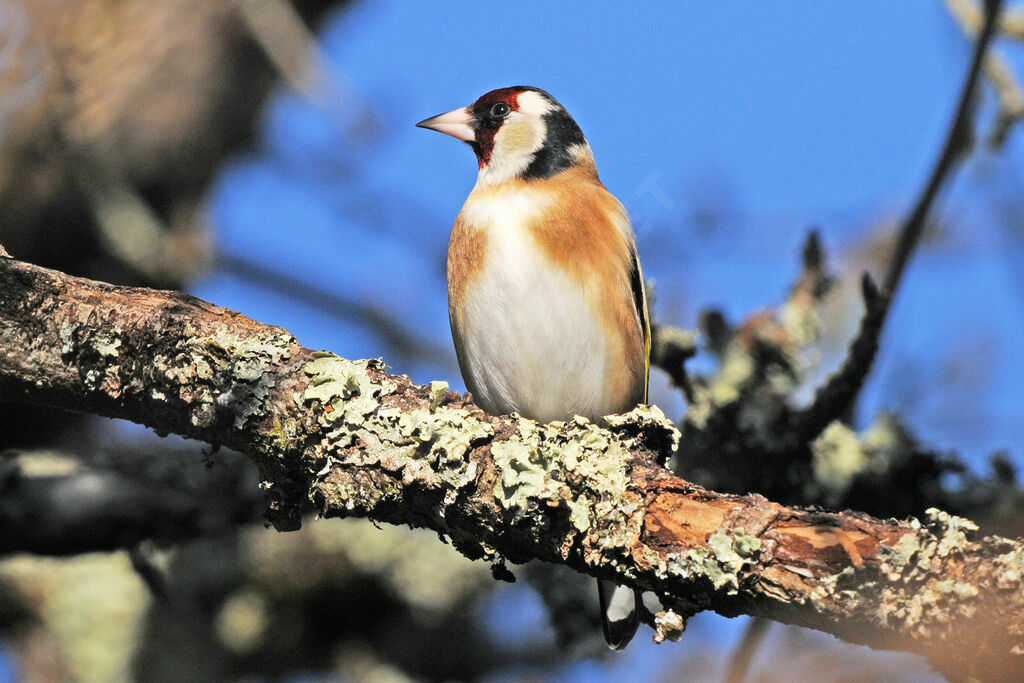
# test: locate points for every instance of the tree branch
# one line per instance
(970, 16)
(357, 441)
(54, 504)
(837, 397)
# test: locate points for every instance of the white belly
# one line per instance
(531, 342)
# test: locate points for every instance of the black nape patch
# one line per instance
(554, 156)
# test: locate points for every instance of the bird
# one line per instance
(545, 294)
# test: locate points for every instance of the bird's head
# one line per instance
(516, 133)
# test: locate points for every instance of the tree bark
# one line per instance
(357, 441)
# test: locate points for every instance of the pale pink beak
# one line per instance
(455, 123)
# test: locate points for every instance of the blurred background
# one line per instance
(262, 155)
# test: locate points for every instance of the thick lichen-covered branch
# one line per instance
(355, 440)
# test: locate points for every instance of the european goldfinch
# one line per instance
(545, 294)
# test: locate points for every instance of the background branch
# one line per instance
(54, 504)
(836, 398)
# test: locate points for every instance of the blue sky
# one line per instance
(768, 117)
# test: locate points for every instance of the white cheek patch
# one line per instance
(517, 140)
(514, 146)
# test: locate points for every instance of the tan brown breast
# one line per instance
(573, 223)
(587, 234)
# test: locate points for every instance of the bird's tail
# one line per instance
(620, 613)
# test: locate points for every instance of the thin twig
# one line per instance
(996, 69)
(402, 340)
(957, 142)
(836, 398)
(753, 636)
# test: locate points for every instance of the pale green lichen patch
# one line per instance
(581, 467)
(248, 359)
(524, 469)
(67, 336)
(107, 344)
(951, 530)
(919, 595)
(94, 347)
(343, 387)
(898, 555)
(736, 369)
(838, 457)
(427, 445)
(272, 347)
(1009, 573)
(438, 392)
(827, 589)
(720, 562)
(443, 438)
(223, 372)
(283, 434)
(574, 464)
(1011, 569)
(841, 454)
(668, 625)
(650, 421)
(932, 543)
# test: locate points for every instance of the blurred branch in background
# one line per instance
(288, 44)
(392, 331)
(55, 504)
(959, 142)
(114, 118)
(970, 16)
(836, 398)
(741, 431)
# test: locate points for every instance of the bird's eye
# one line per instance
(500, 110)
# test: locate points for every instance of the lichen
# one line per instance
(335, 380)
(1011, 569)
(736, 368)
(929, 545)
(535, 463)
(827, 589)
(283, 434)
(245, 363)
(107, 344)
(668, 625)
(919, 595)
(576, 466)
(899, 555)
(67, 336)
(524, 469)
(438, 392)
(838, 457)
(726, 553)
(650, 422)
(427, 445)
(951, 531)
(840, 454)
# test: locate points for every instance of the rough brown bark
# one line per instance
(357, 441)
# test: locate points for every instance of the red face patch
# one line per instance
(489, 113)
